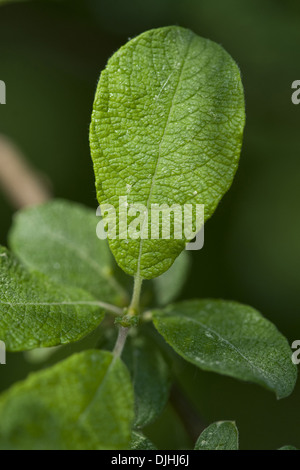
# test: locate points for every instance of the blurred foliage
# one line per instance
(51, 54)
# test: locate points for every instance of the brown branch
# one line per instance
(21, 184)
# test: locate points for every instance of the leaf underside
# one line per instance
(82, 403)
(140, 442)
(166, 128)
(229, 338)
(150, 375)
(222, 435)
(59, 239)
(151, 378)
(36, 312)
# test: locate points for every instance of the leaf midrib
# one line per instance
(95, 303)
(264, 373)
(159, 155)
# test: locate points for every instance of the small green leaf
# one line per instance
(166, 128)
(84, 402)
(140, 442)
(35, 312)
(59, 239)
(150, 376)
(288, 448)
(168, 286)
(222, 435)
(231, 339)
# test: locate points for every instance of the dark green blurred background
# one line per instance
(51, 54)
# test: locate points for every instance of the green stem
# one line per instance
(126, 320)
(110, 308)
(120, 343)
(134, 306)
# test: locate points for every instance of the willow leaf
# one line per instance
(36, 312)
(231, 339)
(59, 239)
(166, 128)
(82, 403)
(222, 435)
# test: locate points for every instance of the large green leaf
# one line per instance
(222, 435)
(166, 128)
(231, 339)
(35, 312)
(84, 402)
(59, 239)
